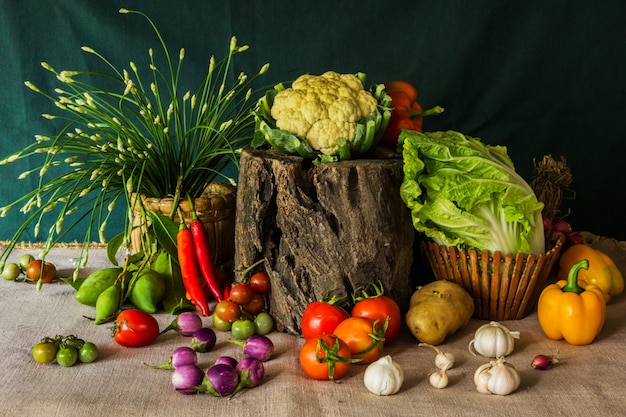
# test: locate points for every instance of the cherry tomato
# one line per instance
(227, 310)
(260, 283)
(67, 356)
(325, 358)
(220, 324)
(379, 308)
(241, 293)
(256, 304)
(320, 318)
(34, 272)
(242, 329)
(44, 352)
(135, 328)
(363, 337)
(88, 352)
(263, 323)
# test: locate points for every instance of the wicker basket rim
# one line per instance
(469, 253)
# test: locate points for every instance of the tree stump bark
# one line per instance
(337, 226)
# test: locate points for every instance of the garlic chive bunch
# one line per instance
(142, 134)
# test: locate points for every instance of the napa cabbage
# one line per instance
(465, 193)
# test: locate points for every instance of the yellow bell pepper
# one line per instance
(566, 311)
(602, 270)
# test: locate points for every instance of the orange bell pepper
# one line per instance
(602, 270)
(566, 311)
(407, 113)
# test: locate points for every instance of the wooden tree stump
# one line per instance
(337, 227)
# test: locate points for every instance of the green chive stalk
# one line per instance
(145, 137)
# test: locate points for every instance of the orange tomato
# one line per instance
(363, 336)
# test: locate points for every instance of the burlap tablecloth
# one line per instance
(587, 381)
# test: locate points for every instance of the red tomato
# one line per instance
(363, 337)
(256, 304)
(135, 328)
(34, 271)
(241, 293)
(260, 282)
(320, 318)
(379, 308)
(334, 358)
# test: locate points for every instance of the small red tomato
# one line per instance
(334, 358)
(34, 271)
(379, 308)
(260, 282)
(241, 293)
(320, 318)
(256, 304)
(227, 310)
(363, 336)
(135, 328)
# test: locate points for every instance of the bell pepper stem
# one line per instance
(572, 277)
(435, 111)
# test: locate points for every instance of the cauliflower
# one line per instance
(321, 109)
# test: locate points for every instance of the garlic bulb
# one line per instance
(496, 377)
(493, 340)
(439, 379)
(384, 376)
(443, 360)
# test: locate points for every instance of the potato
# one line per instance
(437, 310)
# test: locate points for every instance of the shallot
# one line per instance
(543, 362)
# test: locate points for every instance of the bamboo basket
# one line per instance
(215, 208)
(503, 287)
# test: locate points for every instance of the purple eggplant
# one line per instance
(257, 346)
(251, 372)
(203, 340)
(180, 356)
(186, 323)
(228, 360)
(187, 379)
(221, 380)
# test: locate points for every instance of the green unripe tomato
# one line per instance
(44, 352)
(67, 356)
(11, 271)
(220, 324)
(148, 290)
(24, 260)
(88, 352)
(107, 304)
(242, 329)
(263, 323)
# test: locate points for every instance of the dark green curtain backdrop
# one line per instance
(540, 77)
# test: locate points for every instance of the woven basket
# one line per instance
(215, 208)
(503, 287)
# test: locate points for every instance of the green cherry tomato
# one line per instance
(263, 323)
(88, 352)
(11, 271)
(242, 329)
(220, 324)
(24, 260)
(67, 356)
(44, 352)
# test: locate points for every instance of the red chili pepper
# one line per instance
(227, 286)
(407, 113)
(189, 269)
(205, 259)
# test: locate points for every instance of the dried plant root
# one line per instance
(550, 184)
